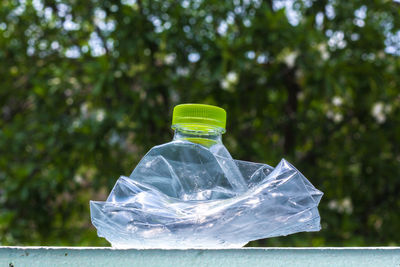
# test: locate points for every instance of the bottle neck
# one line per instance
(208, 138)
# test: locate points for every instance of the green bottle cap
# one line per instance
(199, 117)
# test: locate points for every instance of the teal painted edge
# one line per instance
(96, 256)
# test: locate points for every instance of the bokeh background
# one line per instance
(87, 87)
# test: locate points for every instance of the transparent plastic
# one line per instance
(190, 193)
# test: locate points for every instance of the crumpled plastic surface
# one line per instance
(182, 195)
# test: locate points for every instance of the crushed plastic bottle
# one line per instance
(190, 193)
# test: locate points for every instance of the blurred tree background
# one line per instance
(87, 87)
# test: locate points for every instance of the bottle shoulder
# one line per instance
(216, 149)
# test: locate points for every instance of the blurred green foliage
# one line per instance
(87, 87)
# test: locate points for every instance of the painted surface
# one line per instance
(250, 257)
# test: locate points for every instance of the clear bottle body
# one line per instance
(211, 138)
(196, 172)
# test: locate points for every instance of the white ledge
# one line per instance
(252, 257)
